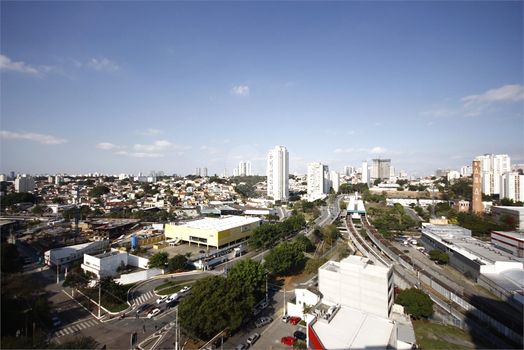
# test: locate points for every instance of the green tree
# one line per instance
(214, 304)
(41, 308)
(76, 280)
(122, 267)
(439, 256)
(416, 303)
(99, 191)
(159, 260)
(178, 262)
(312, 265)
(283, 258)
(251, 272)
(39, 209)
(10, 259)
(304, 243)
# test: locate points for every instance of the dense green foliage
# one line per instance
(266, 235)
(251, 272)
(216, 303)
(439, 256)
(388, 221)
(178, 262)
(159, 260)
(304, 243)
(312, 265)
(99, 191)
(284, 258)
(11, 262)
(416, 303)
(14, 198)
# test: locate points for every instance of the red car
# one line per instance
(294, 320)
(288, 340)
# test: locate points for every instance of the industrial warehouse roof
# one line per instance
(354, 329)
(220, 224)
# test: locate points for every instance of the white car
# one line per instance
(185, 289)
(153, 313)
(162, 299)
(172, 297)
(253, 338)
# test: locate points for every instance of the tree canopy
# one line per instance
(214, 304)
(283, 258)
(439, 256)
(159, 260)
(98, 191)
(251, 272)
(178, 262)
(416, 303)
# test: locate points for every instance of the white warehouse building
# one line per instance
(105, 264)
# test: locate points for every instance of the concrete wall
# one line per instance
(137, 261)
(139, 276)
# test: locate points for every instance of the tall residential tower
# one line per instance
(278, 173)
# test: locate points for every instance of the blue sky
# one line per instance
(128, 87)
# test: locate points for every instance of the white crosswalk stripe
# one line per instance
(75, 328)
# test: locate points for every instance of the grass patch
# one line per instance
(171, 287)
(432, 335)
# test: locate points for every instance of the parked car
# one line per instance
(142, 307)
(263, 305)
(288, 340)
(286, 318)
(56, 321)
(256, 312)
(299, 335)
(242, 346)
(253, 338)
(273, 287)
(185, 289)
(153, 313)
(218, 342)
(162, 299)
(295, 320)
(262, 321)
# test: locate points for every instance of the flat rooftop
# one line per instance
(354, 329)
(220, 224)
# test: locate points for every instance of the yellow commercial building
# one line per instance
(214, 232)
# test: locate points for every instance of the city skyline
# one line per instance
(124, 87)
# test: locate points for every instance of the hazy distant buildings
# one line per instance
(349, 170)
(278, 173)
(197, 171)
(466, 171)
(204, 171)
(226, 172)
(243, 169)
(24, 183)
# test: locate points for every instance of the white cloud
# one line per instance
(290, 83)
(75, 63)
(241, 91)
(149, 132)
(378, 124)
(377, 150)
(351, 132)
(140, 154)
(210, 150)
(7, 64)
(156, 146)
(505, 93)
(103, 65)
(107, 145)
(340, 150)
(40, 138)
(456, 157)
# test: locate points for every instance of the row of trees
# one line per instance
(161, 260)
(268, 234)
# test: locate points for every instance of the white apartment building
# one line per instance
(315, 181)
(24, 183)
(244, 168)
(197, 171)
(278, 173)
(466, 171)
(512, 186)
(334, 179)
(354, 282)
(349, 170)
(453, 175)
(380, 169)
(205, 172)
(492, 168)
(365, 173)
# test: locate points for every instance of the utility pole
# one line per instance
(57, 272)
(99, 296)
